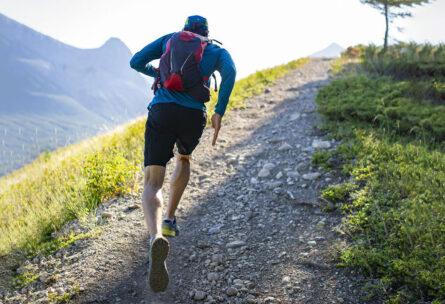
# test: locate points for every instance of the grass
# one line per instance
(71, 182)
(391, 122)
(66, 184)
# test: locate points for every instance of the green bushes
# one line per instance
(397, 106)
(106, 176)
(398, 218)
(392, 129)
(405, 60)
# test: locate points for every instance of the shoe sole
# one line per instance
(158, 277)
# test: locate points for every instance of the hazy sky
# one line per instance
(257, 33)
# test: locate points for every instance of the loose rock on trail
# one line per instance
(252, 230)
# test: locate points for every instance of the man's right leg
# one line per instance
(178, 182)
(152, 198)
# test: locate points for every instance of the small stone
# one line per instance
(275, 140)
(319, 144)
(212, 276)
(285, 279)
(214, 230)
(133, 207)
(264, 173)
(232, 160)
(269, 166)
(311, 176)
(199, 295)
(294, 116)
(312, 243)
(235, 244)
(333, 161)
(43, 277)
(217, 259)
(285, 147)
(293, 174)
(254, 181)
(107, 214)
(203, 245)
(279, 175)
(232, 291)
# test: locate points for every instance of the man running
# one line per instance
(179, 118)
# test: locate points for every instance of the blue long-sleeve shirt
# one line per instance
(214, 59)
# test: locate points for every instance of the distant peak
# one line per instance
(333, 50)
(113, 42)
(335, 44)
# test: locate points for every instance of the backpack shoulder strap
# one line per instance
(211, 41)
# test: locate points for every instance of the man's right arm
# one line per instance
(149, 53)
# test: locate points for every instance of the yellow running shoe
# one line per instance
(170, 228)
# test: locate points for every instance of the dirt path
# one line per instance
(252, 230)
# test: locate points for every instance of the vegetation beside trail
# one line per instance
(71, 182)
(389, 112)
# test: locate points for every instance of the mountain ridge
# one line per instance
(51, 91)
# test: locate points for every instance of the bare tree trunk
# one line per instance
(385, 45)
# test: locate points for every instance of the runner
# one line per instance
(177, 115)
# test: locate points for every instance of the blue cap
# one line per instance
(196, 19)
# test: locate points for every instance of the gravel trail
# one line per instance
(252, 230)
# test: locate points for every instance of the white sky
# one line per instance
(257, 33)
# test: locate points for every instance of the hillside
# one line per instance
(246, 236)
(53, 94)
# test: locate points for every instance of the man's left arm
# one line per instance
(227, 69)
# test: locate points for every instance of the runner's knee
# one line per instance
(154, 177)
(184, 158)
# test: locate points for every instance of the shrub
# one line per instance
(399, 107)
(393, 129)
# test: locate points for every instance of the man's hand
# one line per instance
(216, 124)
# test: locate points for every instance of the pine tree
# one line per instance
(384, 6)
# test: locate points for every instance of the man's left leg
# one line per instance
(178, 183)
(188, 128)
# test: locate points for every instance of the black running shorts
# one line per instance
(170, 123)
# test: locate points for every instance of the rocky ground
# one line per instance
(252, 228)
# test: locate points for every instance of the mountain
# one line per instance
(333, 50)
(53, 94)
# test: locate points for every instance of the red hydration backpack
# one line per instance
(179, 65)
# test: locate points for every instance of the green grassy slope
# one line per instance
(389, 111)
